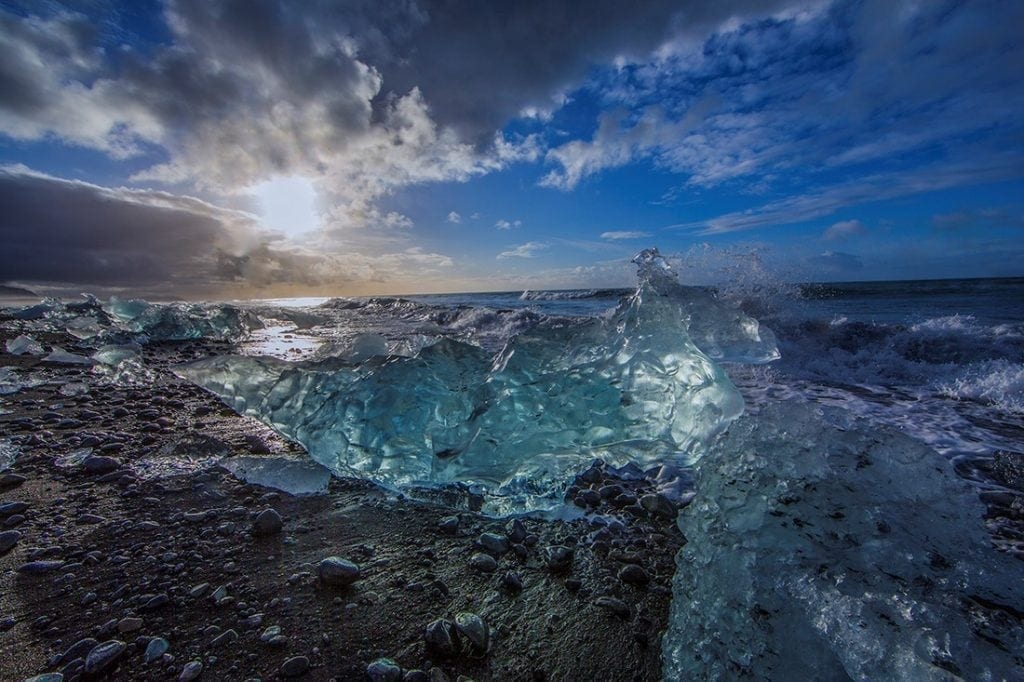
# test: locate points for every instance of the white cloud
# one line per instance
(624, 234)
(844, 230)
(507, 224)
(527, 250)
(454, 217)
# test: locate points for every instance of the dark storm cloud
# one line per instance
(67, 233)
(250, 88)
(59, 231)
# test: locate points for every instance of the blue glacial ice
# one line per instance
(629, 387)
(822, 549)
(119, 320)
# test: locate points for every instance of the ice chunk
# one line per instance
(720, 329)
(22, 345)
(122, 364)
(8, 453)
(828, 551)
(84, 327)
(12, 382)
(61, 356)
(183, 321)
(630, 387)
(73, 388)
(293, 476)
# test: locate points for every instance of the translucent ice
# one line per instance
(631, 386)
(824, 550)
(295, 477)
(8, 453)
(22, 345)
(62, 357)
(182, 321)
(122, 364)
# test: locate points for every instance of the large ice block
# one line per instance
(629, 387)
(821, 549)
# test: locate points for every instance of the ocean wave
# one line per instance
(571, 294)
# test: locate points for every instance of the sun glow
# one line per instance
(288, 205)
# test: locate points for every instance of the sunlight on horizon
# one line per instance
(287, 205)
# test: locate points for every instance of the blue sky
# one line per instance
(274, 148)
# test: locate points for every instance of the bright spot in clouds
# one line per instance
(287, 205)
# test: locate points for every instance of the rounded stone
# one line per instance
(268, 522)
(295, 666)
(384, 670)
(440, 638)
(484, 563)
(191, 671)
(103, 656)
(633, 574)
(473, 629)
(337, 572)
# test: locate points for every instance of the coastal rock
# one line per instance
(8, 539)
(494, 544)
(484, 563)
(191, 671)
(616, 606)
(634, 575)
(156, 648)
(558, 558)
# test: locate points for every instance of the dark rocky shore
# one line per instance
(105, 574)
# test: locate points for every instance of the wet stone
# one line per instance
(384, 670)
(484, 563)
(268, 522)
(104, 656)
(440, 638)
(295, 666)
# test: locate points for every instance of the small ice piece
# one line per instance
(8, 453)
(22, 345)
(293, 476)
(73, 458)
(85, 327)
(122, 364)
(74, 388)
(11, 382)
(61, 356)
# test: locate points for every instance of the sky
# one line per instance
(257, 148)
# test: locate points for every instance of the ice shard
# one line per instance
(629, 387)
(820, 549)
(22, 345)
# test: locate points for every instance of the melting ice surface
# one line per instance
(633, 386)
(822, 550)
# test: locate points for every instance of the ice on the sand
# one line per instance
(820, 549)
(22, 345)
(632, 386)
(8, 453)
(60, 356)
(293, 476)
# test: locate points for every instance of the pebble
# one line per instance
(494, 543)
(659, 505)
(191, 671)
(11, 481)
(558, 558)
(440, 638)
(516, 530)
(268, 522)
(100, 464)
(8, 539)
(512, 582)
(79, 649)
(449, 525)
(103, 656)
(156, 648)
(633, 574)
(484, 563)
(126, 625)
(295, 666)
(226, 637)
(40, 567)
(337, 572)
(11, 508)
(270, 633)
(474, 629)
(616, 606)
(384, 670)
